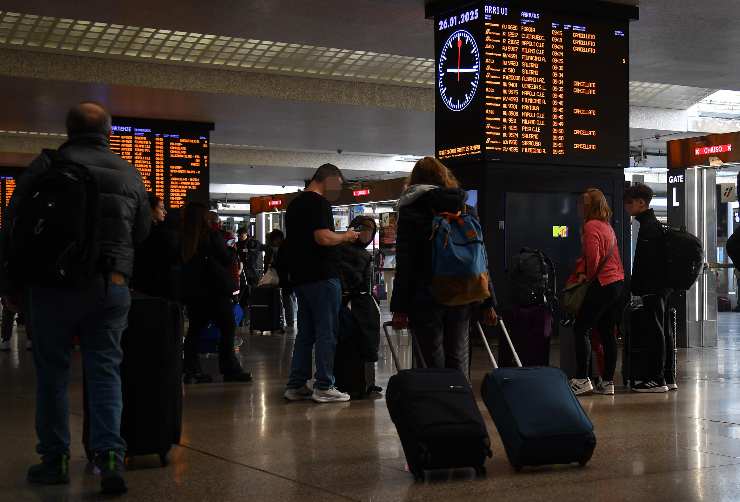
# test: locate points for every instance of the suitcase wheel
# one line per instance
(518, 468)
(164, 460)
(480, 471)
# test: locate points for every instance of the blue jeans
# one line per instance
(318, 321)
(99, 316)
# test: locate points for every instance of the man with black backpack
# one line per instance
(73, 223)
(648, 372)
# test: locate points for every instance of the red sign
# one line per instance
(361, 193)
(711, 150)
(275, 203)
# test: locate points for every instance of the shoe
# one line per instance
(5, 345)
(581, 386)
(330, 395)
(243, 376)
(29, 345)
(649, 387)
(50, 472)
(111, 467)
(196, 378)
(604, 388)
(672, 386)
(299, 394)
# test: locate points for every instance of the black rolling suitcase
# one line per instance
(265, 309)
(151, 378)
(539, 419)
(437, 418)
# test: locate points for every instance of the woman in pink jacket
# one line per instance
(604, 272)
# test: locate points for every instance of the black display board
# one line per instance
(7, 187)
(172, 156)
(520, 84)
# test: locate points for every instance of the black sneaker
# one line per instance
(111, 467)
(50, 471)
(649, 387)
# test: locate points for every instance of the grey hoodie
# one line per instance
(412, 194)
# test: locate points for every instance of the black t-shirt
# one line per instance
(310, 262)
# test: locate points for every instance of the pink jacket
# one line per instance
(598, 239)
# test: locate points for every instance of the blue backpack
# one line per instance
(459, 261)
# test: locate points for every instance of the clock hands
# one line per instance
(459, 48)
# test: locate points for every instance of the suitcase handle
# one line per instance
(508, 340)
(394, 352)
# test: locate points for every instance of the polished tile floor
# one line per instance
(244, 443)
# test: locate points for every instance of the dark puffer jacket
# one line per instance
(416, 209)
(125, 215)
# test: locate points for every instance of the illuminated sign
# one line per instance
(560, 232)
(528, 85)
(171, 156)
(275, 203)
(361, 193)
(709, 150)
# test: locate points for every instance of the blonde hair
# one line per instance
(595, 206)
(430, 171)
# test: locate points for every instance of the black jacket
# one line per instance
(355, 269)
(201, 279)
(648, 269)
(125, 214)
(416, 209)
(157, 264)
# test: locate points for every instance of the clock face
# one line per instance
(458, 73)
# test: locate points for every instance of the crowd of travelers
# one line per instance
(184, 256)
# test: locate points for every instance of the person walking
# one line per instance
(95, 307)
(441, 332)
(208, 286)
(601, 306)
(648, 271)
(312, 264)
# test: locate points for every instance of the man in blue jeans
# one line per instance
(96, 308)
(312, 263)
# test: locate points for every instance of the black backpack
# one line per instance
(54, 230)
(532, 278)
(684, 258)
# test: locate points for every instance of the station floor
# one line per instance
(244, 443)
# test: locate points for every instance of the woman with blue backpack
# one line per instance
(442, 280)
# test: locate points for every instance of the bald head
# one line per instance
(88, 117)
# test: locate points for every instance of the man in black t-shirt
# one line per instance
(313, 270)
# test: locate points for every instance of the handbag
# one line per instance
(573, 296)
(271, 279)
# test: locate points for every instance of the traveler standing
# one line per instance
(250, 254)
(647, 282)
(275, 241)
(601, 306)
(158, 257)
(95, 305)
(312, 264)
(208, 288)
(441, 332)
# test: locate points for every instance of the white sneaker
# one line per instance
(581, 386)
(672, 386)
(604, 388)
(649, 387)
(5, 345)
(330, 395)
(299, 394)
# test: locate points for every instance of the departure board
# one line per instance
(172, 156)
(7, 187)
(525, 85)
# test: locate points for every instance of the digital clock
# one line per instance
(458, 71)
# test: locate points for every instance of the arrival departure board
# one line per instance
(172, 156)
(517, 84)
(7, 187)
